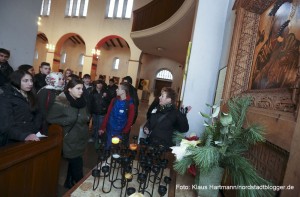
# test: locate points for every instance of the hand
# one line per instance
(100, 132)
(146, 130)
(185, 110)
(188, 108)
(32, 137)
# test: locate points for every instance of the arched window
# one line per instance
(116, 63)
(36, 55)
(81, 59)
(164, 74)
(63, 57)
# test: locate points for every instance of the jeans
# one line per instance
(97, 122)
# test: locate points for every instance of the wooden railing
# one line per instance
(31, 168)
(154, 13)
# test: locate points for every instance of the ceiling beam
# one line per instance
(78, 42)
(81, 40)
(121, 45)
(72, 40)
(112, 42)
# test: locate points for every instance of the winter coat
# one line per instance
(134, 96)
(111, 90)
(99, 102)
(39, 81)
(46, 98)
(62, 113)
(17, 121)
(5, 71)
(163, 122)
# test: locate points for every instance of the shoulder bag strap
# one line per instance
(72, 124)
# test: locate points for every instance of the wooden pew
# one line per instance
(31, 168)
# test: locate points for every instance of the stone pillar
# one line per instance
(50, 59)
(206, 52)
(133, 66)
(88, 60)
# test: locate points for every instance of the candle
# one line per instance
(133, 146)
(116, 156)
(115, 140)
(128, 175)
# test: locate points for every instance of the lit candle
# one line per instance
(128, 176)
(133, 146)
(115, 140)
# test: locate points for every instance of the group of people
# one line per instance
(30, 102)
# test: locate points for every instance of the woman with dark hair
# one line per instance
(69, 110)
(28, 68)
(165, 119)
(19, 116)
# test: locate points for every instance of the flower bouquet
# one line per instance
(220, 151)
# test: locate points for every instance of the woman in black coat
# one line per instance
(19, 116)
(165, 119)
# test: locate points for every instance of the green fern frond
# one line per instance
(253, 134)
(182, 165)
(243, 173)
(205, 157)
(238, 108)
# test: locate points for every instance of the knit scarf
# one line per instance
(76, 103)
(165, 108)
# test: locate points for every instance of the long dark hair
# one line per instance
(72, 83)
(15, 81)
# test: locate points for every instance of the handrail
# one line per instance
(154, 13)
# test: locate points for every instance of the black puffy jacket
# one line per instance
(164, 122)
(17, 120)
(99, 102)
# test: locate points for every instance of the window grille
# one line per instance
(120, 9)
(164, 74)
(76, 8)
(45, 8)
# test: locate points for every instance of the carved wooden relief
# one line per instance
(257, 6)
(267, 58)
(244, 55)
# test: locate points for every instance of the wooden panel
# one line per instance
(264, 155)
(31, 168)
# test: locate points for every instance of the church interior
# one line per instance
(209, 52)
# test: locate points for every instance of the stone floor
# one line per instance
(90, 159)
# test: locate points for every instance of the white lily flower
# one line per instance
(180, 151)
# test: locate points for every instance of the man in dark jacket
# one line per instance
(5, 68)
(87, 89)
(111, 89)
(39, 79)
(133, 95)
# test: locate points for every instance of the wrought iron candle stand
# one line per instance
(148, 171)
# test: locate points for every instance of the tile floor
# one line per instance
(90, 159)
